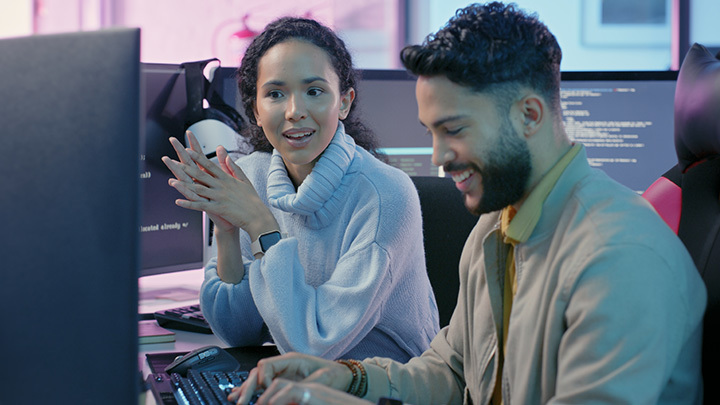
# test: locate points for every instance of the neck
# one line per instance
(547, 147)
(298, 173)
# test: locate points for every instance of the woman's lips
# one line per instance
(298, 138)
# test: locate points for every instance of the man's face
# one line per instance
(486, 156)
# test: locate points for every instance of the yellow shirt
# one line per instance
(516, 227)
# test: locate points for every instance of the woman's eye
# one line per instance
(274, 94)
(315, 92)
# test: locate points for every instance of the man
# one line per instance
(572, 290)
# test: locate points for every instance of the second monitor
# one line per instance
(624, 119)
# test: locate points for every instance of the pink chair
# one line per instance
(687, 197)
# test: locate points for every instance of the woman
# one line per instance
(319, 243)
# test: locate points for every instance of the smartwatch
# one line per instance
(265, 241)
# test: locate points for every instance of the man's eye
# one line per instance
(453, 131)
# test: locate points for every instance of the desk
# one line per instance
(174, 290)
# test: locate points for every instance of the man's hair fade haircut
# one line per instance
(492, 48)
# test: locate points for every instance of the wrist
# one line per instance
(221, 234)
(264, 242)
(357, 378)
(262, 226)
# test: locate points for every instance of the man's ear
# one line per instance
(532, 108)
(346, 101)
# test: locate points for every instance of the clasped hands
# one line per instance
(221, 190)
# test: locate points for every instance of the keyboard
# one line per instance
(199, 387)
(188, 318)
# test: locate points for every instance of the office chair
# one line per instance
(688, 195)
(446, 226)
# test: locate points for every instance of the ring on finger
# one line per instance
(305, 400)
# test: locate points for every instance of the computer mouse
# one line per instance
(207, 358)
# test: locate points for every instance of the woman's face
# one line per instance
(298, 103)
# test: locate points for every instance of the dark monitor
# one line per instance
(171, 237)
(69, 213)
(625, 120)
(386, 104)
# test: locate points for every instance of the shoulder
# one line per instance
(621, 227)
(259, 159)
(255, 165)
(380, 181)
(615, 210)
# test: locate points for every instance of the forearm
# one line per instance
(230, 267)
(327, 320)
(230, 310)
(436, 377)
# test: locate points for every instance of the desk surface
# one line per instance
(165, 291)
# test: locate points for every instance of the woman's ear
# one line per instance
(346, 101)
(257, 116)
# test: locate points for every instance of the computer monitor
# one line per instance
(69, 214)
(386, 104)
(625, 120)
(172, 238)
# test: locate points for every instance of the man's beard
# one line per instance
(505, 172)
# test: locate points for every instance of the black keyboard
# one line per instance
(188, 318)
(199, 387)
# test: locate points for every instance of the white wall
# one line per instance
(180, 30)
(564, 18)
(704, 16)
(15, 18)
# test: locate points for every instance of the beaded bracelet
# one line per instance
(362, 385)
(357, 387)
(354, 372)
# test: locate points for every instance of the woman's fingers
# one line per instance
(177, 169)
(180, 151)
(194, 143)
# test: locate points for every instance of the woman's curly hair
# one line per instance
(491, 48)
(284, 29)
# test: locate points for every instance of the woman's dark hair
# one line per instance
(284, 29)
(491, 48)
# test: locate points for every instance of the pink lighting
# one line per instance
(245, 32)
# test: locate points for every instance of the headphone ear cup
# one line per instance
(226, 114)
(212, 133)
(215, 114)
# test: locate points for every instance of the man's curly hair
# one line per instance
(491, 48)
(284, 29)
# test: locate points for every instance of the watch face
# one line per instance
(266, 241)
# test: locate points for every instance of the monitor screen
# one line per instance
(69, 209)
(171, 237)
(625, 120)
(386, 103)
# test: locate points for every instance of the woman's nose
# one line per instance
(296, 109)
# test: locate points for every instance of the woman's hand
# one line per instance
(285, 377)
(223, 191)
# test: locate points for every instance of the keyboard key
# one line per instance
(188, 318)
